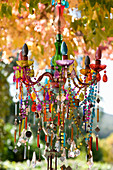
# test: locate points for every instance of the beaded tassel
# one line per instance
(90, 143)
(16, 83)
(98, 114)
(50, 106)
(38, 140)
(23, 120)
(25, 151)
(52, 110)
(63, 113)
(64, 139)
(45, 138)
(98, 100)
(48, 139)
(58, 118)
(26, 122)
(97, 142)
(15, 136)
(19, 127)
(44, 106)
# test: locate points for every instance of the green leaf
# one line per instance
(99, 37)
(92, 2)
(3, 9)
(21, 6)
(9, 10)
(33, 4)
(93, 24)
(74, 25)
(111, 33)
(45, 2)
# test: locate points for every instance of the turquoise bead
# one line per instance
(85, 139)
(63, 2)
(64, 139)
(46, 81)
(53, 2)
(66, 4)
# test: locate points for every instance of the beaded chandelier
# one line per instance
(67, 102)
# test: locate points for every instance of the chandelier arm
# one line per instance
(46, 74)
(85, 84)
(77, 85)
(39, 79)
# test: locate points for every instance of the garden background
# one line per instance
(89, 24)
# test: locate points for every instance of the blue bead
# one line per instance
(21, 100)
(63, 2)
(53, 2)
(51, 62)
(64, 139)
(46, 81)
(66, 4)
(64, 48)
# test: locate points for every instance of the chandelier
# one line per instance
(58, 103)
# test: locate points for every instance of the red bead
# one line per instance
(89, 76)
(46, 138)
(96, 143)
(98, 77)
(33, 108)
(38, 140)
(26, 123)
(105, 78)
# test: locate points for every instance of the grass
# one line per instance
(75, 164)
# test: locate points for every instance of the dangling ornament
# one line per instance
(98, 77)
(25, 151)
(47, 96)
(97, 142)
(81, 96)
(34, 159)
(89, 76)
(105, 79)
(33, 108)
(33, 95)
(28, 163)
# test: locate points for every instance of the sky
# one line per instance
(106, 89)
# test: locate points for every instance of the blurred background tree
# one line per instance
(88, 25)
